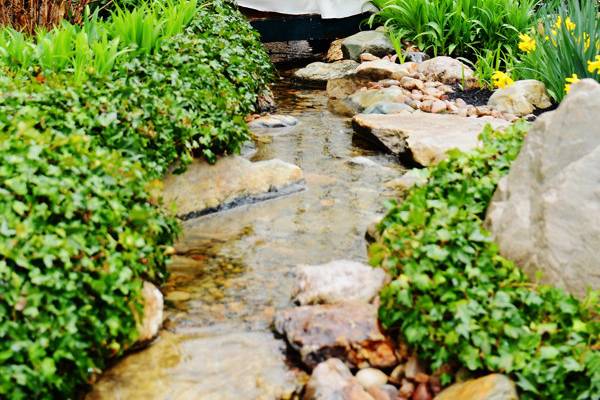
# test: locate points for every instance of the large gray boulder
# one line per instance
(374, 42)
(545, 214)
(318, 73)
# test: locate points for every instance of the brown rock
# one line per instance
(333, 380)
(347, 331)
(340, 88)
(490, 387)
(364, 57)
(335, 51)
(438, 106)
(153, 313)
(411, 83)
(389, 82)
(422, 393)
(379, 394)
(421, 377)
(426, 106)
(384, 69)
(483, 111)
(416, 95)
(407, 388)
(446, 70)
(460, 103)
(433, 92)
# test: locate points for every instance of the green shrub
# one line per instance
(79, 231)
(188, 98)
(455, 300)
(566, 42)
(456, 27)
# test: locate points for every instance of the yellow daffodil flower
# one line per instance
(527, 43)
(501, 79)
(558, 22)
(570, 25)
(571, 80)
(594, 66)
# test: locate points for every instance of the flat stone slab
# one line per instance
(273, 121)
(425, 137)
(338, 281)
(348, 331)
(320, 72)
(230, 182)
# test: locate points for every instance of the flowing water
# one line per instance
(234, 269)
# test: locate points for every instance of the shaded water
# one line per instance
(235, 269)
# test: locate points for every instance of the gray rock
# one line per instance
(424, 137)
(414, 177)
(521, 98)
(204, 187)
(333, 380)
(387, 108)
(273, 121)
(490, 387)
(447, 70)
(545, 214)
(348, 331)
(340, 88)
(374, 42)
(337, 282)
(320, 73)
(416, 56)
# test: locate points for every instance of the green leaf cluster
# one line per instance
(81, 147)
(78, 233)
(458, 28)
(457, 302)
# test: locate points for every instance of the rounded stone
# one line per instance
(368, 377)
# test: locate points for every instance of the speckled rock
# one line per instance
(490, 387)
(348, 331)
(446, 70)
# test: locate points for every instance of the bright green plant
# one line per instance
(456, 27)
(565, 43)
(79, 231)
(455, 300)
(489, 62)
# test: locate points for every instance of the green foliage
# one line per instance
(79, 231)
(488, 62)
(563, 49)
(456, 27)
(455, 300)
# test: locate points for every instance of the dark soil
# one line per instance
(476, 97)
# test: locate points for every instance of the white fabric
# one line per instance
(326, 8)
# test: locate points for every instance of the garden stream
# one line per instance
(235, 269)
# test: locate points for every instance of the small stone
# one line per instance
(390, 390)
(416, 56)
(416, 95)
(421, 377)
(446, 89)
(483, 111)
(471, 111)
(407, 388)
(413, 367)
(451, 107)
(335, 51)
(333, 380)
(389, 82)
(438, 106)
(273, 121)
(433, 92)
(460, 103)
(369, 377)
(152, 319)
(422, 393)
(397, 374)
(426, 106)
(368, 57)
(411, 83)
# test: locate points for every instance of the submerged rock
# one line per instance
(490, 387)
(521, 98)
(202, 365)
(348, 331)
(320, 73)
(332, 379)
(424, 137)
(373, 42)
(273, 121)
(205, 188)
(153, 313)
(337, 282)
(545, 214)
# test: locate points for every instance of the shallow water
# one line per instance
(235, 269)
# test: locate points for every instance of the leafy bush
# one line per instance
(160, 108)
(78, 231)
(455, 300)
(566, 42)
(456, 27)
